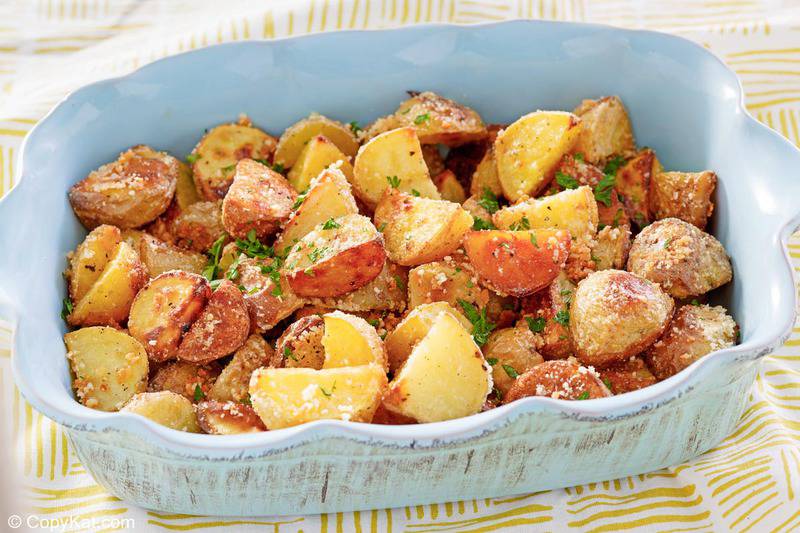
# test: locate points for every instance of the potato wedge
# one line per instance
(683, 195)
(192, 381)
(228, 418)
(449, 187)
(413, 328)
(160, 257)
(517, 263)
(220, 329)
(445, 281)
(337, 257)
(185, 191)
(259, 200)
(629, 375)
(317, 155)
(611, 247)
(392, 159)
(696, 331)
(562, 380)
(165, 408)
(387, 292)
(233, 383)
(684, 260)
(296, 136)
(615, 315)
(606, 130)
(485, 176)
(574, 210)
(198, 226)
(128, 192)
(165, 309)
(329, 196)
(285, 397)
(215, 156)
(90, 259)
(439, 120)
(444, 377)
(300, 345)
(527, 151)
(109, 299)
(268, 295)
(510, 352)
(546, 313)
(420, 230)
(634, 183)
(350, 341)
(108, 366)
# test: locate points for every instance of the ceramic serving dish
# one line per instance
(683, 102)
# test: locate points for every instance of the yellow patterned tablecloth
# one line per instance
(751, 482)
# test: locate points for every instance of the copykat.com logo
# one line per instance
(70, 523)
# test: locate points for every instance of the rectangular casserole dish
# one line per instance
(683, 102)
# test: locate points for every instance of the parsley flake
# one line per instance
(419, 119)
(562, 317)
(566, 181)
(326, 393)
(511, 371)
(613, 165)
(66, 307)
(331, 224)
(521, 225)
(289, 354)
(488, 201)
(492, 361)
(480, 224)
(536, 325)
(192, 158)
(394, 181)
(354, 127)
(214, 253)
(604, 189)
(481, 327)
(199, 395)
(607, 383)
(584, 395)
(415, 192)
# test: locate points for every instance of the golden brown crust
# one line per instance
(633, 183)
(233, 382)
(268, 301)
(228, 418)
(629, 375)
(615, 315)
(611, 248)
(300, 345)
(128, 192)
(160, 257)
(511, 352)
(190, 380)
(259, 199)
(221, 328)
(606, 131)
(90, 258)
(683, 195)
(433, 159)
(696, 331)
(562, 380)
(198, 226)
(684, 260)
(547, 313)
(439, 120)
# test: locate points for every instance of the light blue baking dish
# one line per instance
(683, 101)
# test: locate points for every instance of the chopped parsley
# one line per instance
(511, 371)
(331, 224)
(199, 395)
(374, 322)
(566, 181)
(394, 181)
(354, 127)
(66, 307)
(584, 395)
(534, 241)
(252, 247)
(414, 192)
(399, 282)
(562, 317)
(613, 165)
(617, 216)
(419, 119)
(289, 354)
(227, 169)
(566, 294)
(492, 361)
(607, 383)
(278, 167)
(481, 327)
(577, 156)
(326, 393)
(604, 189)
(536, 325)
(488, 201)
(299, 201)
(497, 393)
(695, 302)
(521, 225)
(246, 400)
(215, 283)
(382, 227)
(192, 158)
(212, 266)
(667, 242)
(317, 254)
(480, 224)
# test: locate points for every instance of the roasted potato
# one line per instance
(337, 257)
(296, 136)
(128, 192)
(159, 257)
(634, 183)
(165, 408)
(449, 187)
(285, 397)
(445, 281)
(439, 120)
(391, 160)
(546, 313)
(109, 299)
(350, 340)
(629, 375)
(481, 217)
(190, 380)
(433, 159)
(444, 377)
(233, 383)
(683, 195)
(527, 151)
(165, 309)
(611, 247)
(328, 197)
(228, 418)
(413, 328)
(485, 176)
(385, 417)
(387, 292)
(215, 156)
(198, 226)
(606, 130)
(220, 329)
(185, 191)
(574, 210)
(510, 352)
(108, 366)
(517, 263)
(684, 260)
(268, 295)
(696, 331)
(420, 230)
(561, 380)
(615, 315)
(89, 260)
(259, 200)
(317, 155)
(300, 345)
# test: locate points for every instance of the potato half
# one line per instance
(634, 185)
(511, 352)
(108, 366)
(198, 226)
(90, 259)
(439, 120)
(296, 136)
(387, 292)
(268, 295)
(445, 281)
(165, 408)
(606, 129)
(349, 340)
(561, 380)
(160, 257)
(233, 382)
(683, 195)
(300, 345)
(228, 418)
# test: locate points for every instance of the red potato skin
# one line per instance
(345, 272)
(564, 380)
(512, 264)
(221, 329)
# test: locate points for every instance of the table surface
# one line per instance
(750, 482)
